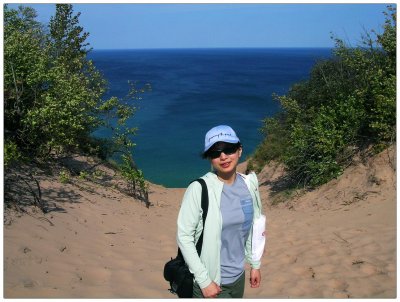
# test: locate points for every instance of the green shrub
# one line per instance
(348, 102)
(64, 176)
(83, 175)
(271, 147)
(11, 153)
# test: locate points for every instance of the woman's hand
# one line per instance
(255, 278)
(211, 291)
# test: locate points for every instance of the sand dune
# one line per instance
(335, 242)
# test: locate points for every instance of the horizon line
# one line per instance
(205, 48)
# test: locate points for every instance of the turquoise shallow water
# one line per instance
(194, 90)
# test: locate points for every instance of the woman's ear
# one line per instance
(240, 151)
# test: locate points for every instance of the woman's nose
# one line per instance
(223, 155)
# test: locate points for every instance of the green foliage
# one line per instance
(53, 94)
(136, 182)
(64, 176)
(24, 70)
(98, 174)
(83, 175)
(388, 39)
(271, 148)
(116, 112)
(347, 103)
(67, 38)
(11, 153)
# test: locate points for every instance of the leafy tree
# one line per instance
(53, 94)
(24, 71)
(66, 113)
(68, 38)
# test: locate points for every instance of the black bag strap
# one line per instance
(204, 207)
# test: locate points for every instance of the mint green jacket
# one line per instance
(207, 267)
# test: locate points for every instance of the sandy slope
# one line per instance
(336, 242)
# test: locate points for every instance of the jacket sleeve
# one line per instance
(256, 194)
(189, 225)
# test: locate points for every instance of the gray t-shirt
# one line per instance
(237, 216)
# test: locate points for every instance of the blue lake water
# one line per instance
(194, 90)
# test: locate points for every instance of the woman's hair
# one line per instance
(206, 154)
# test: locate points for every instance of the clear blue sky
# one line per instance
(126, 26)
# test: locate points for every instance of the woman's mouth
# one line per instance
(225, 165)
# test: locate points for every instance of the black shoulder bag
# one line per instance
(176, 270)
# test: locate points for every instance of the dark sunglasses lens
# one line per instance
(217, 153)
(229, 151)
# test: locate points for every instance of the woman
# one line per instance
(234, 203)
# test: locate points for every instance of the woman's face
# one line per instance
(225, 162)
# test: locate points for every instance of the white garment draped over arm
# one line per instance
(258, 242)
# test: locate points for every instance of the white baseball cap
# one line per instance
(220, 133)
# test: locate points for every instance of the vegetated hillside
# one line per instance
(369, 177)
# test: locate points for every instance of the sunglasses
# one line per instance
(217, 153)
